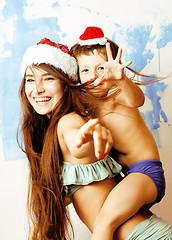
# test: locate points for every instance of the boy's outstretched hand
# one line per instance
(113, 68)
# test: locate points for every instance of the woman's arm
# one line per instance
(82, 138)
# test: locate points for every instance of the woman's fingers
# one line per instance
(85, 132)
(102, 141)
(102, 138)
(109, 143)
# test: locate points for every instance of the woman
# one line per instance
(48, 98)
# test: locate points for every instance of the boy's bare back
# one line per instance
(132, 139)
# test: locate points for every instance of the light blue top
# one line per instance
(77, 175)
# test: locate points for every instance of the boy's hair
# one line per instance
(78, 49)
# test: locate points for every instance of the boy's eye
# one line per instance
(101, 68)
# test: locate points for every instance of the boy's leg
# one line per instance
(134, 191)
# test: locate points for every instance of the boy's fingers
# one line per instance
(127, 64)
(96, 53)
(98, 81)
(119, 54)
(109, 52)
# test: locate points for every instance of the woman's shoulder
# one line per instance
(70, 120)
(72, 117)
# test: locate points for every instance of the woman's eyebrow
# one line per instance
(29, 75)
(46, 74)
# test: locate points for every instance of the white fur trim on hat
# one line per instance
(93, 41)
(44, 53)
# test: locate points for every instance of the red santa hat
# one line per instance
(92, 36)
(51, 53)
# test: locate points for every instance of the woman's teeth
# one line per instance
(45, 99)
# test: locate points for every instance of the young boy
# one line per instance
(134, 147)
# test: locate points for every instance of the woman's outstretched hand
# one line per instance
(93, 130)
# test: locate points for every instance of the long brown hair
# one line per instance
(78, 50)
(37, 137)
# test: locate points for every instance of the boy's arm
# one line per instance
(133, 95)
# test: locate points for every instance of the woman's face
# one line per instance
(42, 90)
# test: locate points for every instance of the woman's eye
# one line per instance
(29, 80)
(84, 70)
(49, 79)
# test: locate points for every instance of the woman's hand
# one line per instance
(102, 138)
(113, 69)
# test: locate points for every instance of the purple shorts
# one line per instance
(153, 169)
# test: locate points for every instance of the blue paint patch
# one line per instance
(55, 4)
(137, 40)
(64, 35)
(151, 39)
(152, 125)
(151, 91)
(164, 116)
(114, 37)
(12, 8)
(87, 9)
(166, 36)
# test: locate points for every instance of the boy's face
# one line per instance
(90, 67)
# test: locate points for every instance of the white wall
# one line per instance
(127, 22)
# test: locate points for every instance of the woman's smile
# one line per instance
(42, 90)
(42, 99)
